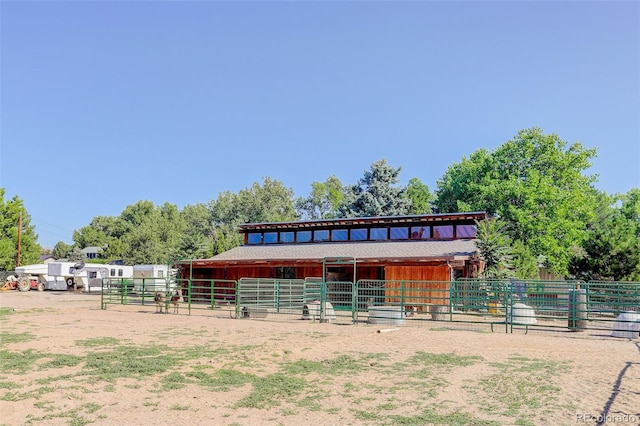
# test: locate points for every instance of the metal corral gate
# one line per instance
(479, 303)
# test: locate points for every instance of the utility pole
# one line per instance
(19, 239)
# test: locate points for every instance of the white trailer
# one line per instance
(89, 276)
(152, 278)
(65, 276)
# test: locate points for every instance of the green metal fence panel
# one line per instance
(557, 306)
(136, 291)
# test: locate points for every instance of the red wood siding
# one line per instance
(432, 286)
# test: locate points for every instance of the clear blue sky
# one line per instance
(104, 104)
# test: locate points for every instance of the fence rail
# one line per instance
(597, 307)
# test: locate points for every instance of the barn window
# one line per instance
(443, 232)
(255, 238)
(339, 235)
(270, 237)
(359, 234)
(465, 231)
(400, 233)
(286, 237)
(378, 233)
(321, 235)
(286, 272)
(420, 233)
(303, 236)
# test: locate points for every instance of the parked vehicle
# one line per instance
(65, 276)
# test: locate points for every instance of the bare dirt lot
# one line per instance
(63, 360)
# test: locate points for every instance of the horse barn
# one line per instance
(416, 250)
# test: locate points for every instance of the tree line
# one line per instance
(545, 210)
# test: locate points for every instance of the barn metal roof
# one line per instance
(387, 251)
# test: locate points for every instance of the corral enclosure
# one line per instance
(552, 306)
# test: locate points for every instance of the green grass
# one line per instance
(18, 362)
(129, 361)
(9, 385)
(6, 312)
(270, 390)
(221, 380)
(343, 364)
(60, 361)
(520, 387)
(432, 417)
(98, 342)
(7, 338)
(444, 360)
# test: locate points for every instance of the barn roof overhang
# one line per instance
(362, 252)
(469, 217)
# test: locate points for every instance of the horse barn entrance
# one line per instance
(340, 276)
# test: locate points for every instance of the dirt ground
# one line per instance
(63, 360)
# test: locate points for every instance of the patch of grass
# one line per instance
(431, 417)
(10, 396)
(7, 338)
(520, 387)
(37, 393)
(9, 385)
(129, 361)
(51, 379)
(60, 361)
(179, 407)
(223, 379)
(343, 364)
(367, 416)
(74, 418)
(310, 403)
(445, 359)
(270, 390)
(18, 362)
(98, 342)
(45, 405)
(174, 380)
(6, 311)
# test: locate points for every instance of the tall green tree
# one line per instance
(420, 196)
(323, 201)
(376, 194)
(157, 235)
(611, 250)
(536, 183)
(10, 212)
(270, 201)
(197, 238)
(61, 250)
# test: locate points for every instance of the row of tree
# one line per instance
(545, 207)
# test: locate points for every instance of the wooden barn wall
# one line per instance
(369, 273)
(428, 284)
(303, 272)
